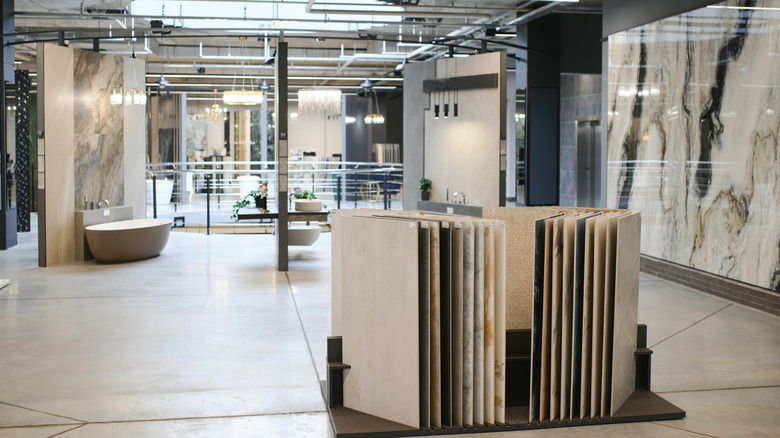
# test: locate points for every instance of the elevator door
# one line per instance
(588, 153)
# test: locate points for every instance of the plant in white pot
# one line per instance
(306, 201)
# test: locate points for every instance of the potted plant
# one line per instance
(425, 189)
(259, 196)
(306, 201)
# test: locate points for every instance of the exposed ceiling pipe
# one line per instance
(405, 13)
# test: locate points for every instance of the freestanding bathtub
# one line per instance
(126, 241)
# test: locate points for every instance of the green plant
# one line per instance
(425, 184)
(304, 194)
(243, 202)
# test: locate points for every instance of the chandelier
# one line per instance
(215, 113)
(244, 97)
(319, 100)
(375, 118)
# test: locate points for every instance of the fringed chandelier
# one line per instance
(319, 100)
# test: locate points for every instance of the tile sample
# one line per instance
(544, 394)
(609, 316)
(579, 316)
(479, 323)
(468, 323)
(445, 322)
(435, 333)
(536, 329)
(567, 311)
(456, 245)
(380, 318)
(626, 309)
(500, 332)
(424, 249)
(587, 318)
(599, 256)
(489, 324)
(556, 318)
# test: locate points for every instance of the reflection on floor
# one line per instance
(209, 340)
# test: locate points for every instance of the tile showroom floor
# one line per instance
(209, 340)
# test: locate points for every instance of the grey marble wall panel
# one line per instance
(694, 139)
(580, 99)
(99, 129)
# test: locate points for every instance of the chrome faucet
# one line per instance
(108, 204)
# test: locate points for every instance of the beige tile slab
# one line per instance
(556, 291)
(626, 309)
(599, 257)
(587, 320)
(479, 323)
(500, 290)
(380, 318)
(489, 328)
(544, 394)
(610, 262)
(567, 311)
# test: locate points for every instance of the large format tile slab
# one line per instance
(468, 323)
(380, 318)
(489, 322)
(457, 324)
(435, 321)
(500, 334)
(479, 323)
(626, 301)
(11, 416)
(35, 432)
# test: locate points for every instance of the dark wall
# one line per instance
(544, 40)
(580, 43)
(359, 137)
(620, 15)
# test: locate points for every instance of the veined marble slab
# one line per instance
(380, 318)
(544, 394)
(435, 318)
(468, 323)
(445, 270)
(556, 318)
(500, 335)
(567, 312)
(489, 325)
(479, 323)
(695, 133)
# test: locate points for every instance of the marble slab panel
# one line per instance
(424, 299)
(435, 321)
(500, 332)
(626, 309)
(696, 145)
(587, 319)
(556, 323)
(578, 316)
(380, 318)
(479, 323)
(98, 128)
(489, 324)
(544, 394)
(610, 262)
(567, 312)
(457, 324)
(468, 323)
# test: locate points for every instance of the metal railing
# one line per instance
(205, 192)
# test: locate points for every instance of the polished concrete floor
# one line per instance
(209, 340)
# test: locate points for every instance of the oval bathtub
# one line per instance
(126, 241)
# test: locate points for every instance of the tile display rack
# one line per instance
(642, 405)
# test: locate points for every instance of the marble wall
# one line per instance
(694, 138)
(99, 128)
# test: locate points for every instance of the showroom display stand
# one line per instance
(642, 405)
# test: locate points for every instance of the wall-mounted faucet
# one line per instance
(108, 204)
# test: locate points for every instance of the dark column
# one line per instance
(281, 155)
(23, 170)
(7, 214)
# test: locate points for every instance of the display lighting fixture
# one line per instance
(319, 100)
(374, 118)
(247, 95)
(127, 96)
(116, 96)
(215, 113)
